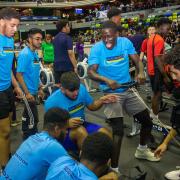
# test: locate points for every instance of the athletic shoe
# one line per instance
(15, 123)
(173, 175)
(145, 154)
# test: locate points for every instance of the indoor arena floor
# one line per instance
(155, 170)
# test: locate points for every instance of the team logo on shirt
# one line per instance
(76, 108)
(6, 50)
(114, 59)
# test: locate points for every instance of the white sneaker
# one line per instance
(173, 175)
(145, 154)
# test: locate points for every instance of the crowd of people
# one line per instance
(66, 132)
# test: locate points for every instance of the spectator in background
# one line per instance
(114, 14)
(80, 49)
(137, 39)
(48, 50)
(155, 52)
(64, 57)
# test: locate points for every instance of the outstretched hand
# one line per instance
(160, 150)
(110, 98)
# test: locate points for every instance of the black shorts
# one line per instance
(6, 102)
(156, 82)
(175, 117)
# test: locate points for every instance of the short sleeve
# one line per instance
(94, 56)
(69, 43)
(22, 63)
(144, 46)
(130, 47)
(159, 47)
(86, 96)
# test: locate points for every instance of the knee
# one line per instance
(78, 133)
(106, 131)
(117, 126)
(144, 118)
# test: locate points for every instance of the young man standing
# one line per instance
(109, 65)
(9, 22)
(64, 58)
(35, 155)
(155, 52)
(28, 70)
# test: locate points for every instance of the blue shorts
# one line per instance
(69, 145)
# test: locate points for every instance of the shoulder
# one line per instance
(23, 52)
(159, 38)
(55, 95)
(98, 45)
(123, 40)
(82, 88)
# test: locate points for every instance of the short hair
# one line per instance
(97, 148)
(163, 21)
(109, 25)
(113, 12)
(173, 57)
(56, 116)
(9, 13)
(33, 31)
(61, 23)
(70, 80)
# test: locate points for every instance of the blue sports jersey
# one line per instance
(74, 107)
(28, 65)
(33, 158)
(6, 61)
(114, 63)
(68, 169)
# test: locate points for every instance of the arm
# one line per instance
(17, 89)
(92, 72)
(162, 148)
(141, 56)
(24, 87)
(139, 67)
(73, 59)
(97, 104)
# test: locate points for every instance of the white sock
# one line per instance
(142, 147)
(115, 169)
(153, 115)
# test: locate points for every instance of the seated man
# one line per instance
(94, 159)
(35, 155)
(173, 68)
(74, 97)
